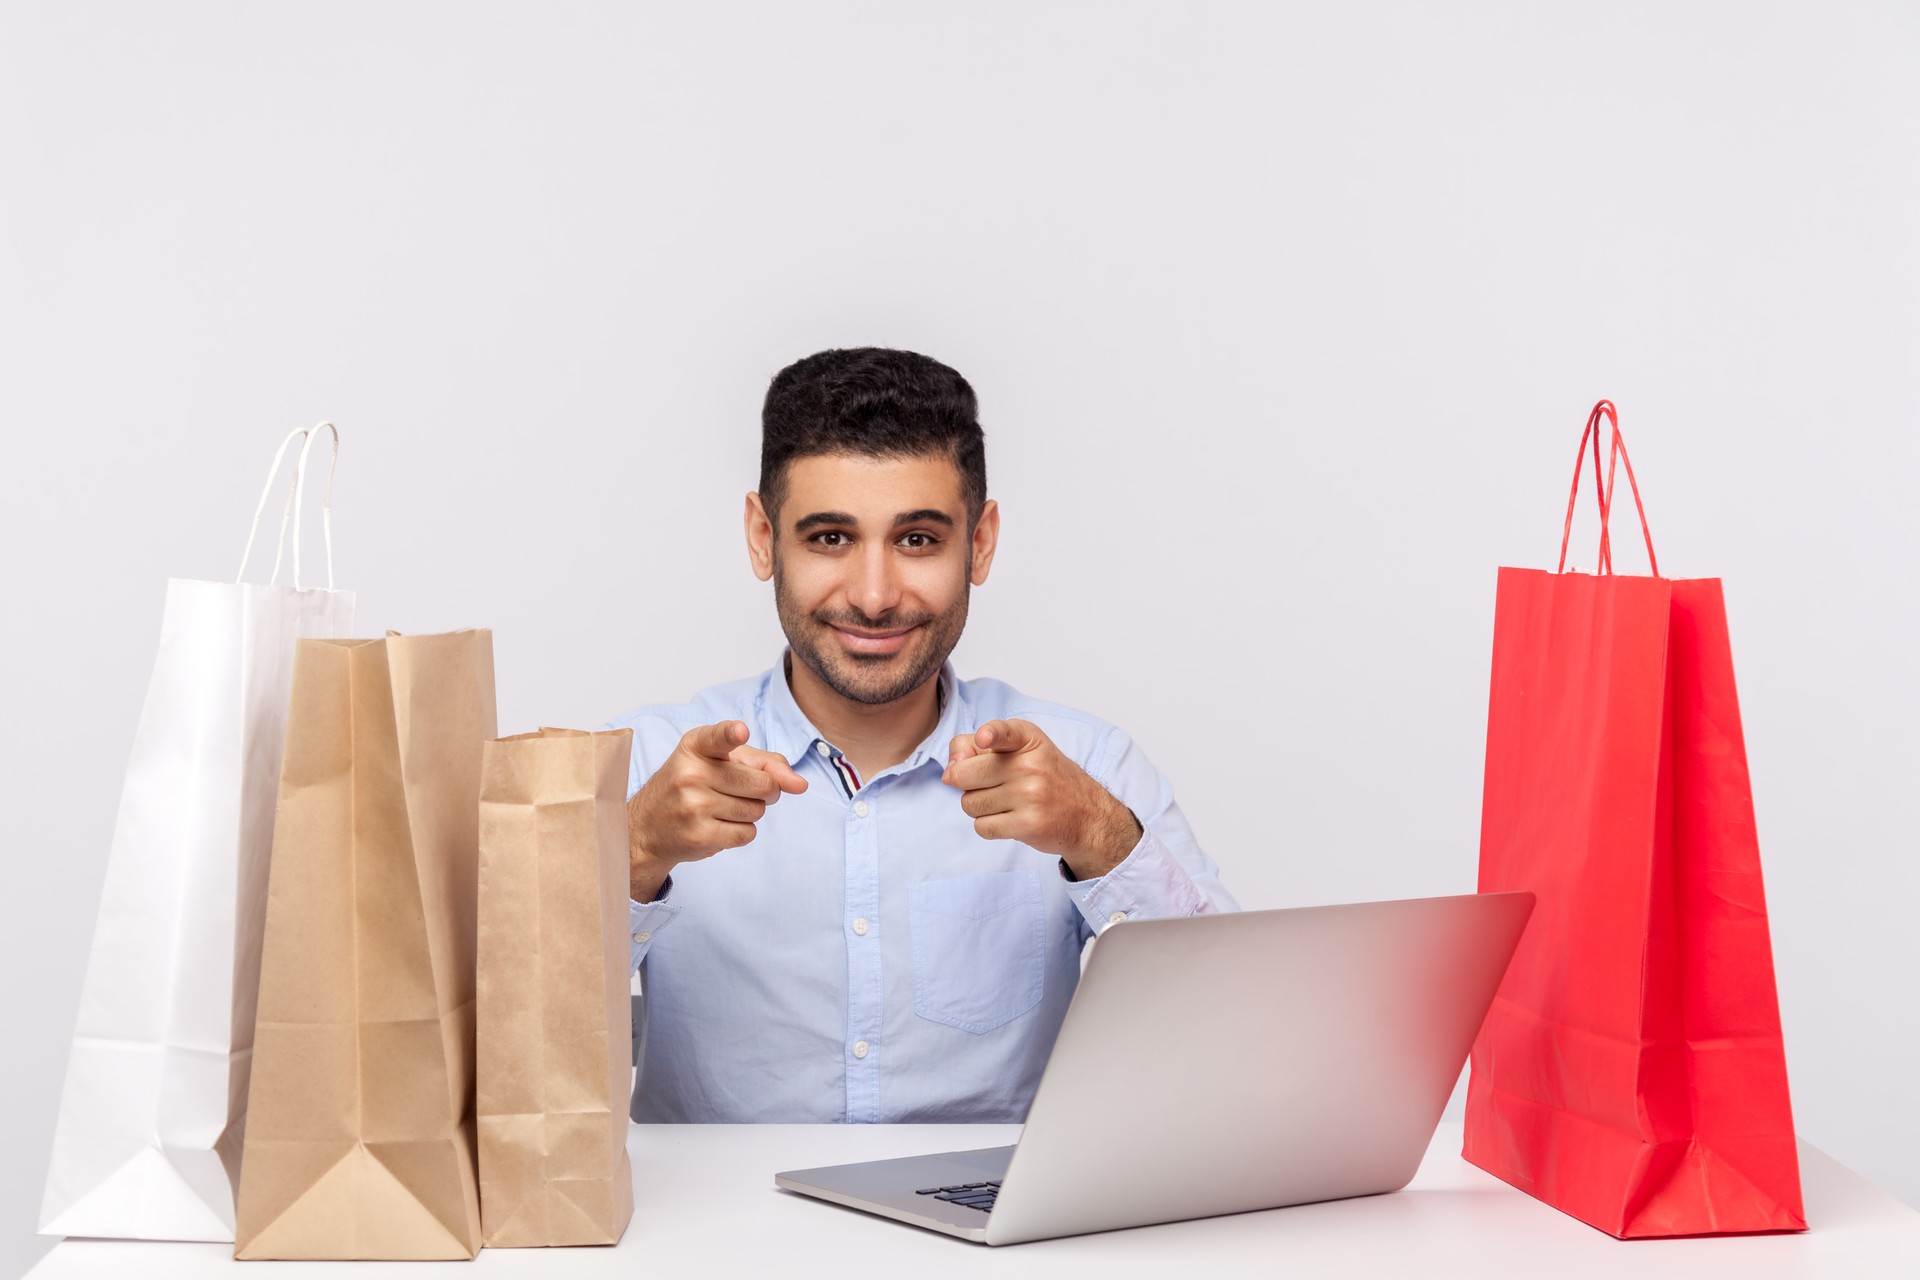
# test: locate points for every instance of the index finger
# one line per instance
(715, 741)
(1008, 735)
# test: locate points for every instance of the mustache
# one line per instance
(858, 621)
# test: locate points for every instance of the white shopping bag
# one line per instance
(148, 1141)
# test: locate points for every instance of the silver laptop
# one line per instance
(1224, 1063)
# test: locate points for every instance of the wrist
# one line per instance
(645, 874)
(645, 889)
(1113, 835)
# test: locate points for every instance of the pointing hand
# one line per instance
(1017, 785)
(706, 797)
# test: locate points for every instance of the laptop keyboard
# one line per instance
(974, 1195)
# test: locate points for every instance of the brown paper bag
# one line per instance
(359, 1140)
(555, 1020)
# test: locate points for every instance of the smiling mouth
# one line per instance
(876, 642)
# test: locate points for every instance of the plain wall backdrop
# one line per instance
(1284, 322)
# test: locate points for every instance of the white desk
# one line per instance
(706, 1207)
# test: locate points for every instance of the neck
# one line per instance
(872, 737)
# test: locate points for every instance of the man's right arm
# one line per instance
(705, 797)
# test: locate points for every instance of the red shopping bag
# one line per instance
(1630, 1072)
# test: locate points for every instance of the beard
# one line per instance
(871, 679)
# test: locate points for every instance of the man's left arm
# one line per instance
(1123, 843)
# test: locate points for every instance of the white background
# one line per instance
(1284, 325)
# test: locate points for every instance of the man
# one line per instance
(861, 886)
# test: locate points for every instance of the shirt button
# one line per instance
(860, 925)
(1116, 917)
(860, 808)
(823, 748)
(643, 935)
(859, 1048)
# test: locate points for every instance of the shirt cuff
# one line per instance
(1148, 884)
(644, 919)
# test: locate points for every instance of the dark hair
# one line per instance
(874, 402)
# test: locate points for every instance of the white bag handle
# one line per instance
(326, 500)
(290, 512)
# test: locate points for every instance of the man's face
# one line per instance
(871, 565)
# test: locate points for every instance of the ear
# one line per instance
(759, 538)
(986, 536)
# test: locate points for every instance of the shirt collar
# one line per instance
(789, 732)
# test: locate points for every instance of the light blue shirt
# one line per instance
(868, 958)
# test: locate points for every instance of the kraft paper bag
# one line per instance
(147, 1142)
(1631, 1071)
(360, 1142)
(555, 1017)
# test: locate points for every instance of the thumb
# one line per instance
(715, 741)
(774, 765)
(1008, 735)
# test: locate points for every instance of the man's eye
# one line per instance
(918, 541)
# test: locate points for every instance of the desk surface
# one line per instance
(706, 1205)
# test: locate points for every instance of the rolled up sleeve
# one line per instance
(1166, 873)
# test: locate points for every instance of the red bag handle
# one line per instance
(1603, 490)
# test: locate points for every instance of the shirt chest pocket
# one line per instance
(979, 948)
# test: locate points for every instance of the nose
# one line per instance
(875, 590)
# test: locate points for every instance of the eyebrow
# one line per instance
(925, 515)
(825, 519)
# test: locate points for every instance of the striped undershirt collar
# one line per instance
(843, 768)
